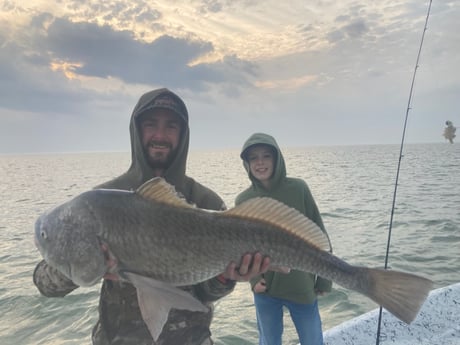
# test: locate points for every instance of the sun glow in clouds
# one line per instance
(67, 68)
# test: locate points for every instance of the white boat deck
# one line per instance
(438, 323)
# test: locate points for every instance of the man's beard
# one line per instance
(161, 160)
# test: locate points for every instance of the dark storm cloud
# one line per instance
(103, 52)
(27, 84)
(27, 81)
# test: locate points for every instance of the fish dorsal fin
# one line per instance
(277, 214)
(157, 189)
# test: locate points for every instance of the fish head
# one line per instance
(67, 240)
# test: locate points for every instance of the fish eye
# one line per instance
(43, 234)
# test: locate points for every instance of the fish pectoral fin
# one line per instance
(177, 298)
(157, 298)
(154, 312)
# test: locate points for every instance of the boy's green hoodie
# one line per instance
(296, 286)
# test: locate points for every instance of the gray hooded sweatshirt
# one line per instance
(120, 321)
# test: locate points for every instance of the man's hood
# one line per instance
(140, 170)
(279, 171)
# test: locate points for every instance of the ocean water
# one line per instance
(352, 185)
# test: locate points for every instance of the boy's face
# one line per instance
(261, 163)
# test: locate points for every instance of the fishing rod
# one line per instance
(409, 102)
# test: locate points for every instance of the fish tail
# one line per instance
(400, 293)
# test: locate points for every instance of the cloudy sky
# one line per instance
(310, 73)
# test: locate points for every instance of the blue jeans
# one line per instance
(306, 318)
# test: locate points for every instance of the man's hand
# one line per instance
(251, 265)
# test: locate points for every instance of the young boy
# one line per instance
(297, 291)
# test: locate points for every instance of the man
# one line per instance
(159, 146)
